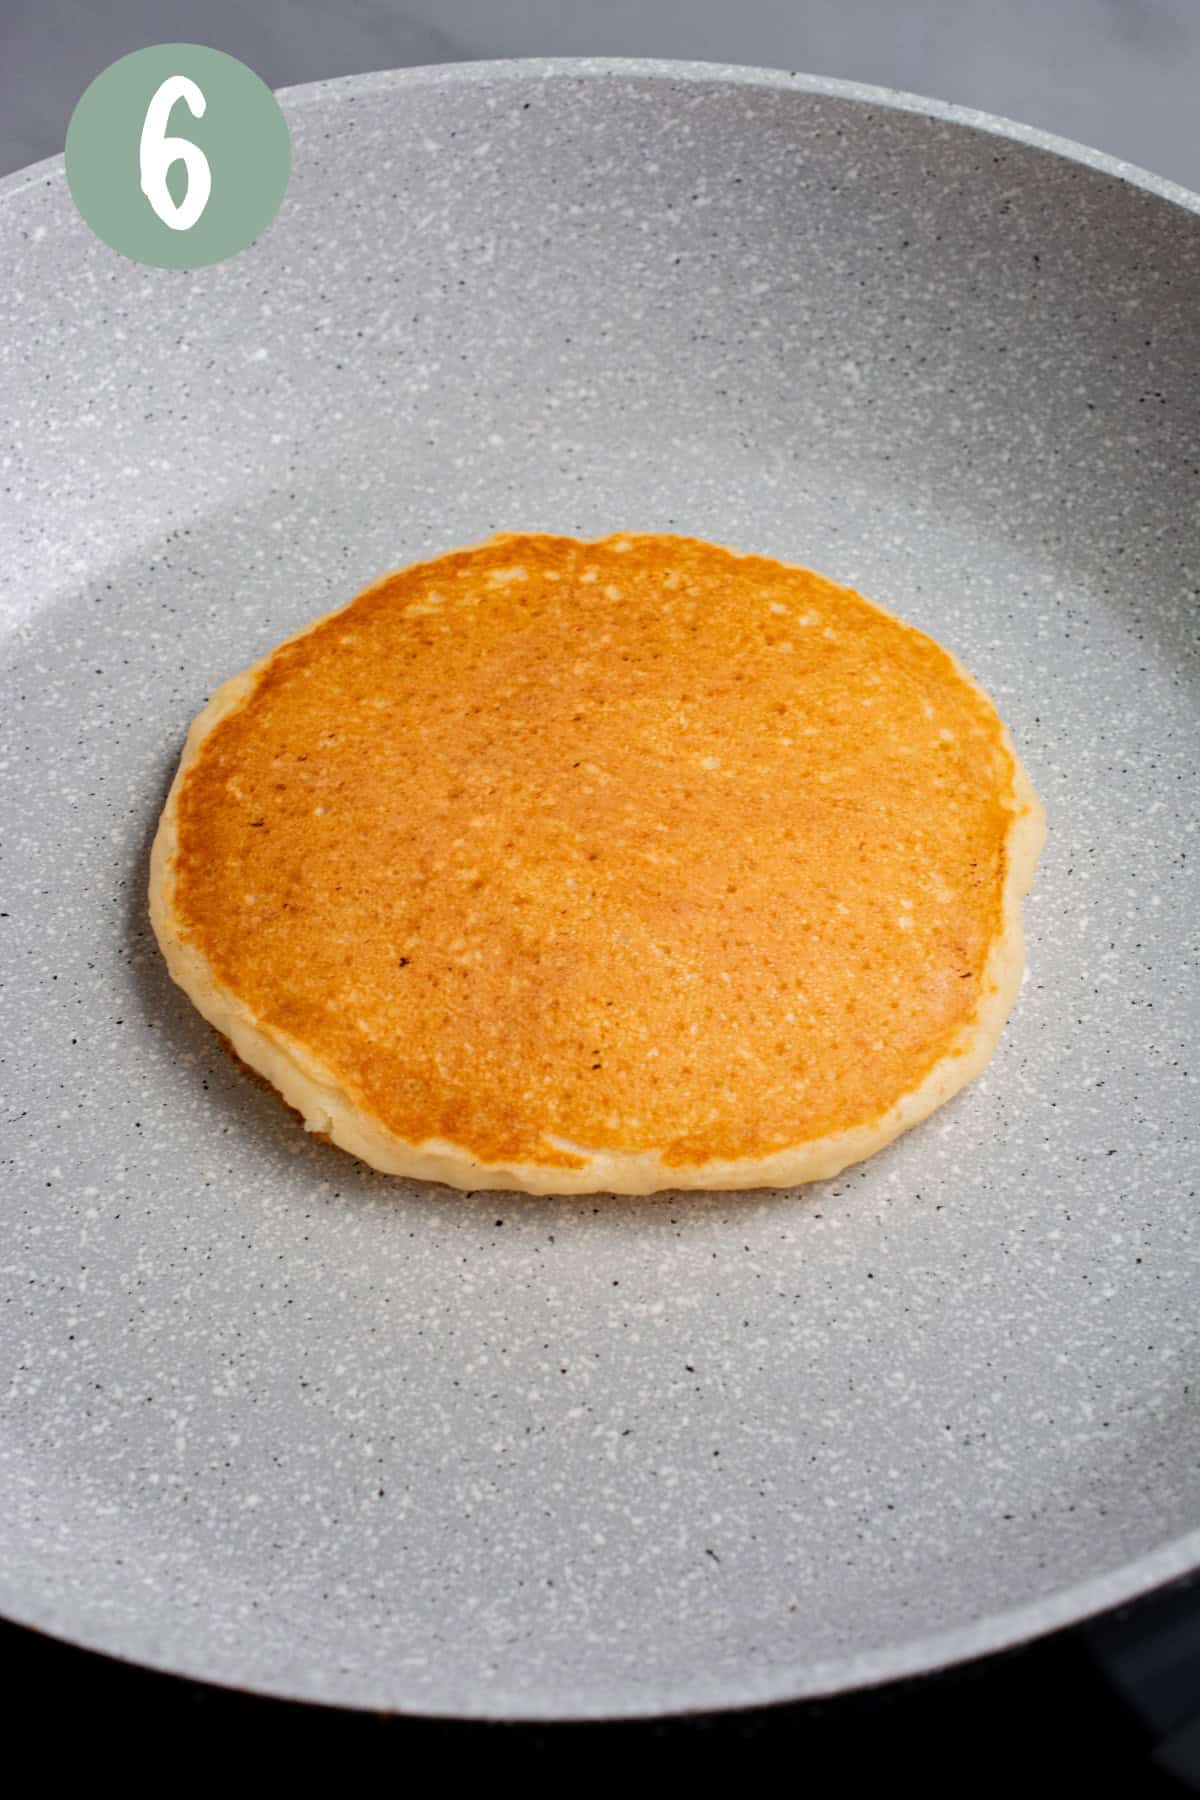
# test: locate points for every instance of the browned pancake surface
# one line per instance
(627, 844)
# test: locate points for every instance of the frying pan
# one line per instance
(275, 1421)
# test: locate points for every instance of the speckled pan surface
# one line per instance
(273, 1420)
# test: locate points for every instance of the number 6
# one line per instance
(157, 153)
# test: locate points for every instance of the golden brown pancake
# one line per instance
(618, 865)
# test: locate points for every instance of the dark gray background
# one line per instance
(1121, 74)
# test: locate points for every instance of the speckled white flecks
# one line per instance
(277, 1421)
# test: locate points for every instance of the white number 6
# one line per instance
(157, 153)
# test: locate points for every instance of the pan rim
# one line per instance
(791, 1684)
(924, 1654)
(524, 68)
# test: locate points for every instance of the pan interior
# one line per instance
(280, 1422)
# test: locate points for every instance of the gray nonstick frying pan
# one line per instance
(272, 1420)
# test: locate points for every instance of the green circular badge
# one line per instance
(178, 156)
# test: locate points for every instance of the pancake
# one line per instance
(602, 865)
